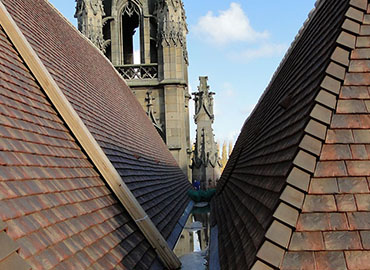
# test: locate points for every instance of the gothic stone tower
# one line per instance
(206, 164)
(154, 30)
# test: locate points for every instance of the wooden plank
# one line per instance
(87, 141)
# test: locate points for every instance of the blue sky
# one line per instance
(238, 45)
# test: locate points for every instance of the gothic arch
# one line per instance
(129, 18)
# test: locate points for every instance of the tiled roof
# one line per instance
(109, 110)
(267, 182)
(58, 211)
(333, 230)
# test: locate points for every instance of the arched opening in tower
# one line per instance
(131, 34)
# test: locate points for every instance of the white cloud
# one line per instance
(228, 26)
(264, 51)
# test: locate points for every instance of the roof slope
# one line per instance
(109, 110)
(54, 203)
(333, 230)
(262, 188)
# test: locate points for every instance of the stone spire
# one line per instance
(89, 14)
(206, 163)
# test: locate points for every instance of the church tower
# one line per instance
(146, 42)
(206, 165)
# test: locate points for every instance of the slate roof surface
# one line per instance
(266, 180)
(57, 211)
(109, 110)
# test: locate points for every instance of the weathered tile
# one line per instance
(8, 246)
(357, 79)
(366, 19)
(363, 42)
(351, 106)
(321, 113)
(311, 144)
(359, 66)
(299, 179)
(330, 169)
(355, 14)
(361, 136)
(324, 186)
(292, 196)
(298, 260)
(350, 121)
(351, 26)
(338, 221)
(358, 260)
(353, 185)
(363, 202)
(365, 237)
(335, 152)
(359, 151)
(361, 4)
(305, 161)
(331, 85)
(341, 56)
(339, 136)
(316, 129)
(306, 241)
(359, 220)
(313, 222)
(342, 241)
(346, 203)
(363, 53)
(14, 261)
(330, 260)
(358, 168)
(319, 203)
(271, 253)
(286, 214)
(279, 234)
(334, 69)
(365, 30)
(347, 40)
(354, 92)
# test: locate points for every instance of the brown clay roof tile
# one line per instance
(331, 227)
(109, 110)
(57, 209)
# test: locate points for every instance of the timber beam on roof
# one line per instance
(87, 141)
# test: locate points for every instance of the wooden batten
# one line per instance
(87, 141)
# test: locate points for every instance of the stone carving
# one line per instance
(97, 6)
(204, 99)
(130, 9)
(89, 14)
(172, 29)
(150, 111)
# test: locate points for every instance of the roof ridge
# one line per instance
(285, 217)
